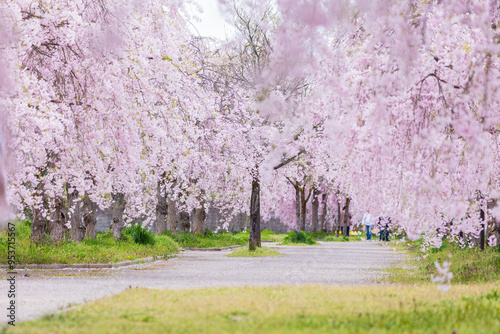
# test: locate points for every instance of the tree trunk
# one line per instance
(338, 215)
(346, 217)
(57, 224)
(483, 228)
(198, 220)
(172, 221)
(184, 223)
(39, 223)
(303, 208)
(315, 208)
(323, 213)
(118, 209)
(77, 231)
(161, 208)
(254, 240)
(89, 218)
(297, 205)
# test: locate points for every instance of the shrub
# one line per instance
(140, 235)
(299, 238)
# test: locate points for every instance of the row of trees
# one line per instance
(380, 105)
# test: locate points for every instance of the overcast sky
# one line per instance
(212, 23)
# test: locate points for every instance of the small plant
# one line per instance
(140, 235)
(299, 238)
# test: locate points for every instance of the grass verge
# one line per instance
(342, 238)
(259, 252)
(280, 309)
(103, 249)
(208, 240)
(467, 265)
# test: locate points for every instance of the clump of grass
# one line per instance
(139, 235)
(259, 252)
(103, 249)
(283, 309)
(298, 238)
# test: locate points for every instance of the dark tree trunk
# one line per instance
(483, 228)
(347, 220)
(297, 205)
(323, 213)
(338, 216)
(161, 208)
(184, 221)
(315, 209)
(198, 220)
(303, 208)
(172, 221)
(57, 224)
(77, 231)
(118, 209)
(254, 240)
(89, 217)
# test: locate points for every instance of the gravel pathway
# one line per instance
(333, 263)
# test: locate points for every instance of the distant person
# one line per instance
(381, 228)
(345, 226)
(367, 221)
(387, 229)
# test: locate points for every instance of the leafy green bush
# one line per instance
(299, 238)
(139, 235)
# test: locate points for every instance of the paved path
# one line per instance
(333, 263)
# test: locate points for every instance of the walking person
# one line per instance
(380, 226)
(387, 229)
(367, 221)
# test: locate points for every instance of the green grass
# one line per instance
(283, 309)
(342, 238)
(103, 249)
(467, 265)
(268, 235)
(298, 238)
(259, 252)
(209, 240)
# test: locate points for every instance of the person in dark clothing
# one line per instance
(386, 229)
(380, 229)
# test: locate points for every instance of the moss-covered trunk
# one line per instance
(161, 208)
(57, 224)
(199, 220)
(118, 210)
(89, 217)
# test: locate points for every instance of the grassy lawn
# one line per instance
(259, 252)
(209, 240)
(467, 265)
(284, 309)
(104, 249)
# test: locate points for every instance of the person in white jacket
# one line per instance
(368, 222)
